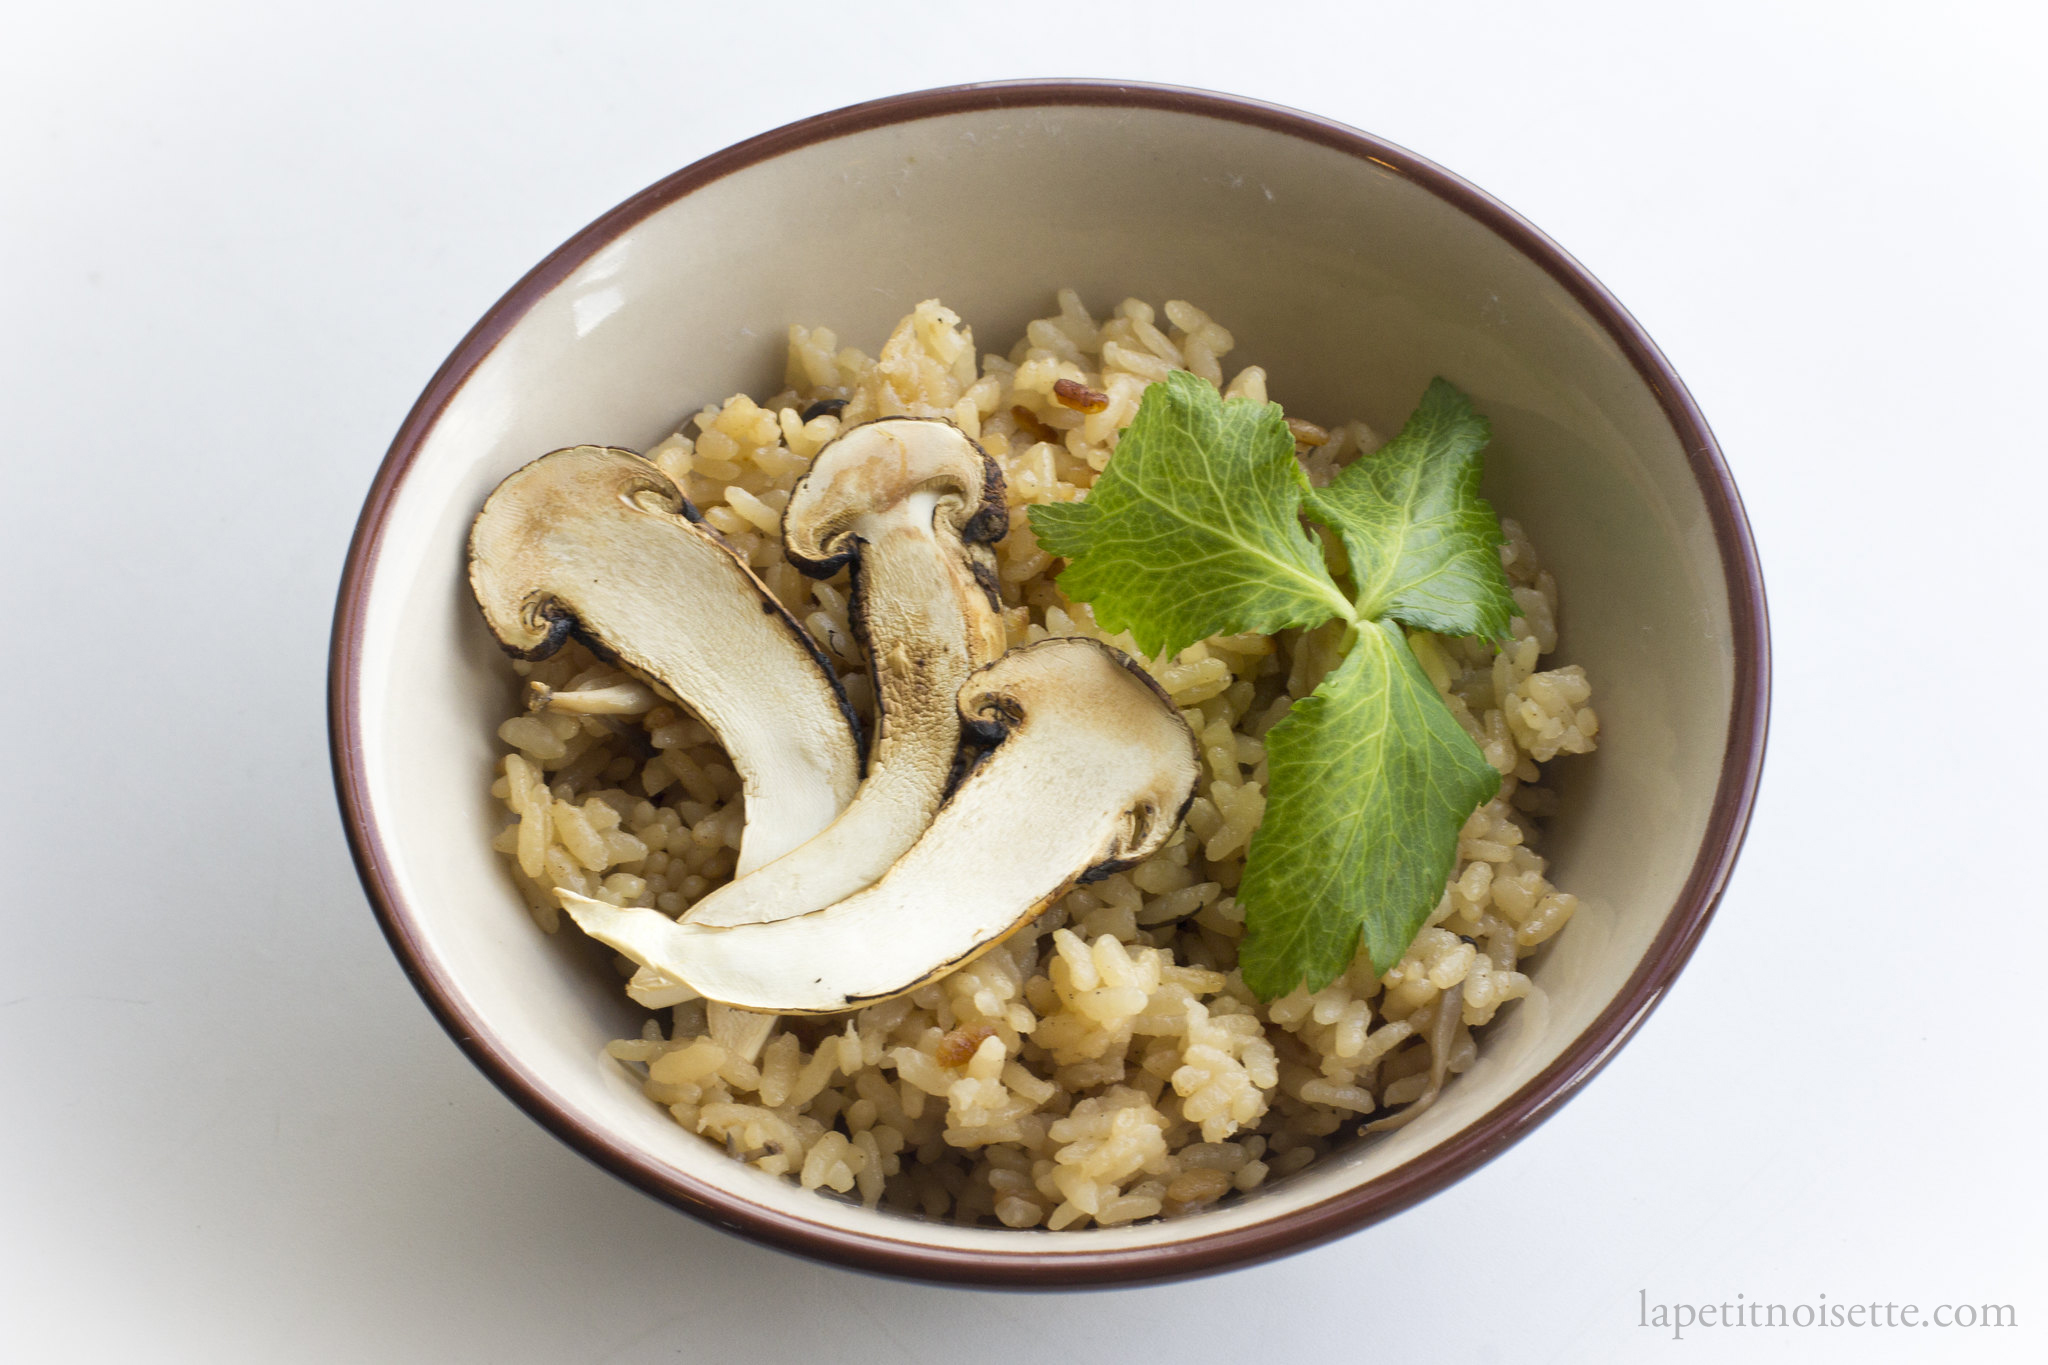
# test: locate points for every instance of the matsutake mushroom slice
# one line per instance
(1092, 770)
(599, 543)
(910, 503)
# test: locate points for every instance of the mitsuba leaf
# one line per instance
(1371, 780)
(1424, 546)
(1193, 530)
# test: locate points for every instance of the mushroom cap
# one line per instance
(879, 466)
(516, 552)
(1097, 700)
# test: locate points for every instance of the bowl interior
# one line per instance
(1351, 283)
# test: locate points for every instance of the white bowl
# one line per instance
(1354, 272)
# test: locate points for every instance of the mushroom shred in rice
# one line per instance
(1104, 1064)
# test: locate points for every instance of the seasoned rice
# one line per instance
(1105, 1064)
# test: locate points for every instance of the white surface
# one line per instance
(241, 240)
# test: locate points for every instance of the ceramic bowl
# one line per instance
(1354, 271)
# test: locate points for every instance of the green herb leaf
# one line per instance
(1193, 530)
(1371, 779)
(1424, 546)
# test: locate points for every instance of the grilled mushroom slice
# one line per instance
(1092, 771)
(911, 503)
(597, 542)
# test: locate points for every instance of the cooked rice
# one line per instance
(1105, 1064)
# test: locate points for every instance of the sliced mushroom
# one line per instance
(1092, 772)
(599, 543)
(910, 503)
(1442, 1037)
(617, 699)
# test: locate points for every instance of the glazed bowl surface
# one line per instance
(1354, 272)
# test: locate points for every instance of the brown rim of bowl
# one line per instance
(1036, 1264)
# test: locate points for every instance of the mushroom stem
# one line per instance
(1091, 773)
(620, 699)
(906, 502)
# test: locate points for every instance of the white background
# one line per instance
(238, 239)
